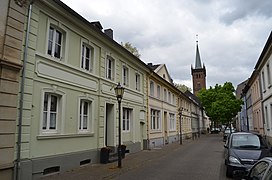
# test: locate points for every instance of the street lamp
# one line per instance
(119, 91)
(180, 131)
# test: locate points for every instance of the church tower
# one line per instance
(198, 73)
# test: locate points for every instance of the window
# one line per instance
(84, 115)
(138, 81)
(50, 112)
(173, 99)
(169, 96)
(126, 119)
(258, 171)
(158, 91)
(86, 58)
(151, 88)
(165, 95)
(155, 119)
(172, 121)
(54, 42)
(263, 79)
(268, 74)
(125, 76)
(109, 68)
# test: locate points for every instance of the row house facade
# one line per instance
(167, 105)
(70, 110)
(12, 17)
(257, 94)
(66, 109)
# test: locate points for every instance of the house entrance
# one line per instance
(109, 125)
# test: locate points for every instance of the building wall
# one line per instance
(67, 146)
(12, 17)
(267, 93)
(161, 102)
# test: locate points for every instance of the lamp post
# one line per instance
(119, 91)
(180, 131)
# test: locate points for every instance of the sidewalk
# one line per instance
(110, 170)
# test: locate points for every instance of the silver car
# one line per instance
(262, 170)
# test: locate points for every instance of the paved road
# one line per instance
(197, 160)
(201, 159)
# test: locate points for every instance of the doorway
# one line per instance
(109, 125)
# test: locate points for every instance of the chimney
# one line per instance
(97, 25)
(109, 33)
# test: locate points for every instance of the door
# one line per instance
(109, 125)
(165, 128)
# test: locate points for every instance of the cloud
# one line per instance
(231, 33)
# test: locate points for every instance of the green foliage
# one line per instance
(220, 103)
(182, 87)
(131, 49)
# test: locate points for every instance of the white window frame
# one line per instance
(263, 81)
(158, 91)
(268, 74)
(169, 97)
(59, 112)
(152, 85)
(88, 115)
(155, 119)
(126, 119)
(84, 49)
(172, 121)
(165, 95)
(137, 81)
(53, 41)
(125, 75)
(110, 68)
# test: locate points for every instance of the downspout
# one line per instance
(22, 90)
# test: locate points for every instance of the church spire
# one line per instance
(197, 60)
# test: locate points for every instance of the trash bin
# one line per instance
(104, 155)
(123, 150)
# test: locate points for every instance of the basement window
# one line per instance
(51, 170)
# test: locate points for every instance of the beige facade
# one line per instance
(254, 83)
(169, 110)
(12, 18)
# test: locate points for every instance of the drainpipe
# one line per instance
(22, 88)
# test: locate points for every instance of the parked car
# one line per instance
(227, 132)
(243, 150)
(262, 170)
(215, 130)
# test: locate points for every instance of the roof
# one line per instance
(192, 97)
(153, 67)
(239, 89)
(197, 60)
(265, 49)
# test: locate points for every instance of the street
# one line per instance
(194, 160)
(199, 159)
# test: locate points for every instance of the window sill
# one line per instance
(60, 136)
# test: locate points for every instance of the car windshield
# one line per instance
(245, 141)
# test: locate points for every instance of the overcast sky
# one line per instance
(231, 33)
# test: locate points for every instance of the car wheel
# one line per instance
(228, 172)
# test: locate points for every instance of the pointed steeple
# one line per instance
(197, 60)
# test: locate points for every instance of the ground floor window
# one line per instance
(155, 119)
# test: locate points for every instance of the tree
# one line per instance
(220, 103)
(182, 87)
(131, 49)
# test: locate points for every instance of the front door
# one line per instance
(109, 125)
(165, 128)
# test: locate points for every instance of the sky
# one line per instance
(231, 34)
